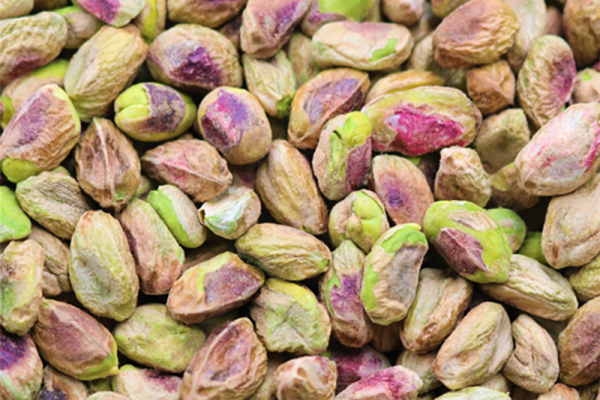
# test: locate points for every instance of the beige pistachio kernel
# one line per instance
(55, 276)
(303, 64)
(21, 367)
(405, 12)
(206, 252)
(55, 384)
(554, 21)
(386, 338)
(477, 349)
(475, 393)
(393, 383)
(498, 382)
(401, 81)
(15, 8)
(305, 378)
(80, 25)
(532, 19)
(146, 384)
(422, 364)
(492, 87)
(230, 366)
(586, 88)
(582, 34)
(107, 396)
(205, 12)
(560, 392)
(508, 192)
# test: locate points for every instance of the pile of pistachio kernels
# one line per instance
(299, 199)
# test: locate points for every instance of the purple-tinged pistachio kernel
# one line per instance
(20, 367)
(308, 377)
(117, 13)
(393, 383)
(355, 364)
(146, 384)
(58, 386)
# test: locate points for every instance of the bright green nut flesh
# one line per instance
(14, 223)
(355, 10)
(391, 273)
(153, 338)
(152, 112)
(511, 224)
(288, 317)
(470, 240)
(532, 247)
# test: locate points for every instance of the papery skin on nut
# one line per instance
(512, 225)
(15, 8)
(146, 384)
(21, 367)
(393, 383)
(402, 81)
(560, 392)
(492, 87)
(152, 19)
(475, 393)
(205, 12)
(422, 364)
(55, 384)
(306, 377)
(303, 64)
(508, 192)
(55, 276)
(116, 13)
(532, 18)
(80, 26)
(354, 364)
(581, 31)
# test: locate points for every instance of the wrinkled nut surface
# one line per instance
(405, 12)
(95, 78)
(331, 93)
(422, 364)
(306, 378)
(206, 13)
(73, 342)
(194, 166)
(492, 87)
(157, 255)
(153, 338)
(512, 225)
(441, 298)
(146, 384)
(585, 281)
(303, 64)
(577, 347)
(40, 135)
(119, 13)
(461, 176)
(113, 178)
(194, 59)
(498, 382)
(500, 138)
(360, 217)
(268, 387)
(402, 188)
(477, 349)
(55, 384)
(583, 35)
(479, 32)
(571, 235)
(560, 392)
(289, 318)
(508, 192)
(101, 268)
(419, 121)
(391, 273)
(339, 291)
(533, 365)
(53, 200)
(80, 26)
(55, 276)
(15, 8)
(21, 267)
(586, 87)
(287, 188)
(152, 19)
(231, 365)
(14, 223)
(475, 393)
(213, 287)
(532, 19)
(393, 383)
(20, 366)
(401, 81)
(235, 123)
(469, 239)
(284, 252)
(546, 79)
(355, 364)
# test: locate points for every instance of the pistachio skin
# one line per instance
(511, 224)
(117, 14)
(306, 377)
(146, 384)
(21, 367)
(388, 384)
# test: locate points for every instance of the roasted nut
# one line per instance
(339, 291)
(586, 88)
(324, 12)
(194, 166)
(585, 281)
(15, 8)
(533, 365)
(21, 266)
(343, 155)
(532, 19)
(14, 223)
(571, 234)
(157, 255)
(475, 393)
(331, 93)
(272, 81)
(288, 317)
(285, 184)
(206, 252)
(268, 387)
(511, 224)
(546, 79)
(40, 135)
(80, 26)
(213, 287)
(101, 267)
(443, 8)
(106, 396)
(391, 273)
(470, 240)
(268, 25)
(492, 87)
(205, 12)
(179, 214)
(56, 385)
(308, 377)
(74, 343)
(479, 32)
(422, 365)
(231, 365)
(95, 78)
(29, 42)
(55, 276)
(152, 19)
(532, 247)
(582, 33)
(500, 138)
(235, 123)
(367, 46)
(388, 384)
(21, 367)
(355, 364)
(405, 12)
(113, 178)
(477, 349)
(577, 346)
(386, 338)
(54, 200)
(461, 177)
(508, 192)
(146, 384)
(560, 392)
(441, 298)
(402, 188)
(498, 382)
(360, 217)
(153, 338)
(303, 64)
(554, 21)
(402, 81)
(231, 30)
(419, 121)
(536, 289)
(17, 91)
(151, 112)
(117, 13)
